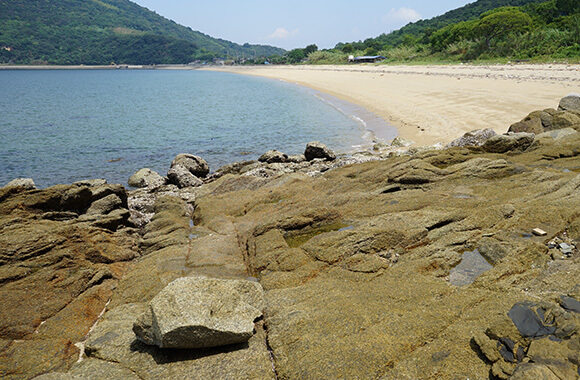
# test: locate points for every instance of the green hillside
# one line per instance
(469, 11)
(70, 32)
(483, 30)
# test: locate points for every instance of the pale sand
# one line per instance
(431, 104)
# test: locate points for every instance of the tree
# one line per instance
(568, 7)
(501, 21)
(348, 48)
(450, 34)
(310, 49)
(296, 55)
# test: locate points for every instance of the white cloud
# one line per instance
(282, 33)
(402, 15)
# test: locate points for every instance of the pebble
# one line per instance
(539, 232)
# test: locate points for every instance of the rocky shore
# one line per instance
(403, 263)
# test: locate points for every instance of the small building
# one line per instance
(368, 59)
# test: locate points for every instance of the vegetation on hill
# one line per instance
(104, 31)
(483, 30)
(421, 28)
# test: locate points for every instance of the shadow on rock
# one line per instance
(174, 355)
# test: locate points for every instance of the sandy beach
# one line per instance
(432, 104)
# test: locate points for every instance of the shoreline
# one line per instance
(434, 104)
(428, 104)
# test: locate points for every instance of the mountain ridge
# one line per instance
(105, 31)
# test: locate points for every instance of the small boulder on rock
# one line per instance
(317, 149)
(27, 183)
(198, 312)
(400, 142)
(272, 156)
(570, 102)
(146, 178)
(194, 164)
(180, 176)
(473, 138)
(506, 143)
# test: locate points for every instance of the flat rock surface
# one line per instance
(356, 262)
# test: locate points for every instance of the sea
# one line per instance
(62, 126)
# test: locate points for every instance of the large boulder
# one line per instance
(146, 178)
(196, 312)
(566, 119)
(570, 102)
(506, 143)
(316, 149)
(473, 138)
(27, 183)
(194, 164)
(180, 176)
(530, 124)
(273, 156)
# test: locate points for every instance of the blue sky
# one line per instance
(297, 23)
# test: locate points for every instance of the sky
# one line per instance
(293, 24)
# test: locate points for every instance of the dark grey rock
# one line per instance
(316, 149)
(570, 304)
(525, 317)
(196, 312)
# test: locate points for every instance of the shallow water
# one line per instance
(61, 126)
(472, 265)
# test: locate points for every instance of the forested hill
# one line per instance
(70, 32)
(467, 12)
(537, 30)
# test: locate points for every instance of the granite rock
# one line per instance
(570, 102)
(272, 156)
(146, 178)
(200, 312)
(473, 138)
(182, 177)
(27, 183)
(509, 143)
(194, 164)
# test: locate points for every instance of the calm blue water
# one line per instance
(61, 126)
